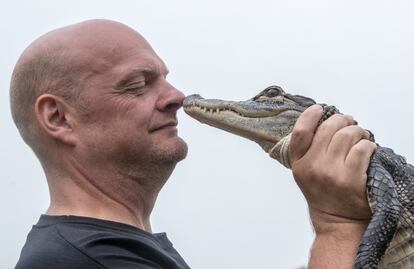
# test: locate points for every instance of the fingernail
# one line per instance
(316, 107)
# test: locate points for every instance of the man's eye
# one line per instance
(136, 88)
(135, 91)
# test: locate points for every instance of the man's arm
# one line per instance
(329, 165)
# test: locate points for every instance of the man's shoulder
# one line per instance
(47, 247)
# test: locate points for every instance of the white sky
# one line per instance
(228, 205)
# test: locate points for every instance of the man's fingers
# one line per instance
(329, 127)
(344, 139)
(360, 155)
(303, 131)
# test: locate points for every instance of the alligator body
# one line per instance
(268, 119)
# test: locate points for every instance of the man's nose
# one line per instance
(171, 99)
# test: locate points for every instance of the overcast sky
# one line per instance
(228, 205)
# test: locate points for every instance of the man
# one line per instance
(93, 102)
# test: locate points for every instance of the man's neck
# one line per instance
(105, 196)
(106, 209)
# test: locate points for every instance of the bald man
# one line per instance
(93, 102)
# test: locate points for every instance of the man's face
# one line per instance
(131, 114)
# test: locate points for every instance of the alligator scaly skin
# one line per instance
(390, 190)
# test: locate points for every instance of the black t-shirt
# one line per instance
(71, 242)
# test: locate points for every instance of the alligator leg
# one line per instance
(386, 208)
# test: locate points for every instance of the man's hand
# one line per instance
(329, 165)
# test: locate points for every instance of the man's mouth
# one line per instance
(171, 124)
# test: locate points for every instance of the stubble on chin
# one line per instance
(171, 153)
(161, 156)
(154, 167)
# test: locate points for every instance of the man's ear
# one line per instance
(56, 118)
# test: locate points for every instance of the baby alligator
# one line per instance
(268, 119)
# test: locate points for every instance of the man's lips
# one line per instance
(168, 124)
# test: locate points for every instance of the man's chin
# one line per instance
(174, 152)
(181, 150)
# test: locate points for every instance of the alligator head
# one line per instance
(266, 119)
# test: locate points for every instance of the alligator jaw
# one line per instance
(266, 118)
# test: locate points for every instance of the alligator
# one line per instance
(268, 119)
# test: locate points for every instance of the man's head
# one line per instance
(96, 91)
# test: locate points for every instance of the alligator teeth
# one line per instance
(215, 110)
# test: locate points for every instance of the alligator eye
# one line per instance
(273, 91)
(269, 92)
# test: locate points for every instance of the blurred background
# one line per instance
(228, 205)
